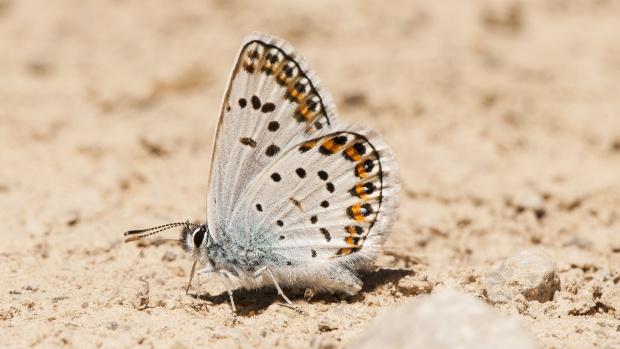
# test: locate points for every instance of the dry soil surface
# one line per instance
(504, 117)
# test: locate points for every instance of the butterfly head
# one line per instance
(194, 238)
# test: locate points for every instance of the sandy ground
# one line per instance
(504, 117)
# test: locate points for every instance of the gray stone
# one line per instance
(530, 273)
(442, 320)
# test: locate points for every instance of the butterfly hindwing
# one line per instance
(273, 101)
(323, 198)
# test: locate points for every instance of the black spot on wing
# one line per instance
(248, 141)
(301, 172)
(255, 102)
(272, 150)
(300, 86)
(359, 148)
(273, 126)
(340, 140)
(369, 187)
(330, 187)
(268, 107)
(295, 202)
(288, 70)
(276, 177)
(366, 209)
(368, 166)
(326, 234)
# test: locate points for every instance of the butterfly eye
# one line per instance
(199, 235)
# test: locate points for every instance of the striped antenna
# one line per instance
(142, 233)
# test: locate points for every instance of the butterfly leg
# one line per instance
(259, 272)
(200, 273)
(191, 276)
(280, 292)
(226, 281)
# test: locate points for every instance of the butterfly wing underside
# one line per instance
(271, 103)
(285, 176)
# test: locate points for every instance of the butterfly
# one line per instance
(295, 198)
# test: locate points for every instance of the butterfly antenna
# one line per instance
(138, 234)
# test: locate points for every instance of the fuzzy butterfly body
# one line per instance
(294, 197)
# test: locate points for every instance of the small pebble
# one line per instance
(530, 273)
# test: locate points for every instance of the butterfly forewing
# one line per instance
(272, 102)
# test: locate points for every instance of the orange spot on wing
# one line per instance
(352, 154)
(354, 230)
(310, 144)
(352, 241)
(331, 146)
(295, 95)
(360, 170)
(351, 230)
(355, 212)
(360, 191)
(305, 111)
(344, 251)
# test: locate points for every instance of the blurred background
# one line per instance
(504, 117)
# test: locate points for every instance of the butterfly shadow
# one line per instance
(382, 276)
(252, 302)
(247, 302)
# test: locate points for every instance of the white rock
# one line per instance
(530, 273)
(442, 320)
